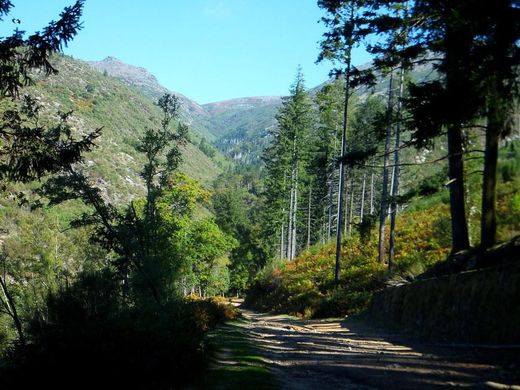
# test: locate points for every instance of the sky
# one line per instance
(208, 50)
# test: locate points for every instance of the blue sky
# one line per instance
(208, 50)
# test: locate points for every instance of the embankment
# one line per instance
(475, 306)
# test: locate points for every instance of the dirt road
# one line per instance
(348, 354)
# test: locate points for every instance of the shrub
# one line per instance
(305, 286)
(90, 339)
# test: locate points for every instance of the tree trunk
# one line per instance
(290, 225)
(372, 207)
(329, 225)
(341, 183)
(346, 205)
(295, 208)
(384, 192)
(459, 225)
(351, 206)
(11, 310)
(395, 173)
(488, 225)
(454, 56)
(361, 212)
(309, 217)
(282, 238)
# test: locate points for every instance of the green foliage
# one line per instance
(206, 148)
(90, 333)
(305, 286)
(205, 248)
(287, 161)
(236, 207)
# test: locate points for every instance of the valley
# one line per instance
(368, 223)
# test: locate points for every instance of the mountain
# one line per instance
(123, 111)
(238, 127)
(241, 104)
(134, 76)
(242, 125)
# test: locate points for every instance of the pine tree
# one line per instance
(343, 20)
(286, 163)
(29, 150)
(325, 156)
(435, 33)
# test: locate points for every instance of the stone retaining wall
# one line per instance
(474, 306)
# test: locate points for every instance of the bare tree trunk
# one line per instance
(282, 233)
(361, 212)
(329, 227)
(309, 217)
(351, 207)
(343, 153)
(372, 208)
(295, 208)
(395, 173)
(348, 190)
(282, 237)
(384, 192)
(10, 309)
(290, 225)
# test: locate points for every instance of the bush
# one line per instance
(305, 286)
(89, 339)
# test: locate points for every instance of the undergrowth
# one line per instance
(88, 338)
(305, 287)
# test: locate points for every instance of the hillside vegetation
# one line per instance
(305, 286)
(123, 112)
(129, 213)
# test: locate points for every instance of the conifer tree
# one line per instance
(474, 49)
(343, 20)
(286, 162)
(29, 150)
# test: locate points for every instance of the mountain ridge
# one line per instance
(124, 112)
(233, 125)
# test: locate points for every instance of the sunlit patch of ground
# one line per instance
(349, 354)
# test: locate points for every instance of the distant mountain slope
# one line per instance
(241, 104)
(242, 125)
(123, 112)
(238, 127)
(193, 113)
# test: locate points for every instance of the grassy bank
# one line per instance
(236, 361)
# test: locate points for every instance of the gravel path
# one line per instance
(349, 354)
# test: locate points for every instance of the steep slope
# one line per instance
(192, 113)
(242, 125)
(123, 112)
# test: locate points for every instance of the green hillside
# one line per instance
(241, 126)
(99, 100)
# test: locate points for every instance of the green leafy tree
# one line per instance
(137, 235)
(206, 249)
(237, 210)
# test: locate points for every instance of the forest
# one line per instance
(128, 227)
